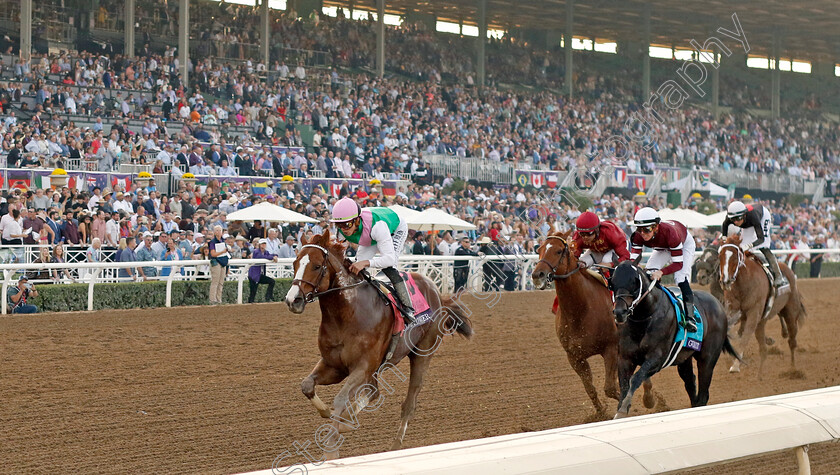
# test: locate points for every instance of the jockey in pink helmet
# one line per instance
(375, 230)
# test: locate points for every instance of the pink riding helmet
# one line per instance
(345, 210)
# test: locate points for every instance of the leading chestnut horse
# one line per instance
(584, 319)
(355, 334)
(746, 289)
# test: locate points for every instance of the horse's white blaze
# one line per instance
(547, 247)
(295, 290)
(726, 267)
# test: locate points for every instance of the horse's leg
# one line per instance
(705, 371)
(611, 372)
(581, 367)
(686, 371)
(419, 365)
(320, 375)
(762, 346)
(645, 372)
(346, 410)
(790, 318)
(745, 334)
(648, 399)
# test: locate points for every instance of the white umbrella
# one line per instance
(716, 219)
(690, 218)
(404, 213)
(266, 211)
(433, 219)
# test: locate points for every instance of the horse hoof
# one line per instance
(331, 455)
(397, 445)
(620, 415)
(325, 414)
(648, 400)
(734, 370)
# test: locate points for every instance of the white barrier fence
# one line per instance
(655, 443)
(440, 269)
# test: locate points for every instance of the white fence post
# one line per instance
(93, 277)
(169, 279)
(803, 461)
(240, 281)
(7, 275)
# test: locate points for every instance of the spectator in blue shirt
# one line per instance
(127, 255)
(256, 274)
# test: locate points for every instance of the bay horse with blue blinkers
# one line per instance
(583, 320)
(648, 322)
(355, 334)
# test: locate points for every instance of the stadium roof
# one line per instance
(808, 29)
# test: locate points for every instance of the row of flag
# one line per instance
(536, 178)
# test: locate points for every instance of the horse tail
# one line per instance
(800, 319)
(463, 325)
(727, 347)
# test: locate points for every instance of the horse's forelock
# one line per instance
(624, 275)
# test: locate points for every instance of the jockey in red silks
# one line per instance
(597, 242)
(375, 230)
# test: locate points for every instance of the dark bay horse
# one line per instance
(746, 289)
(584, 322)
(649, 326)
(708, 271)
(355, 334)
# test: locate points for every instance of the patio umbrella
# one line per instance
(266, 211)
(433, 219)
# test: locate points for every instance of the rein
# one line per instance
(553, 269)
(314, 294)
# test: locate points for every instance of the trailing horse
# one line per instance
(747, 289)
(355, 334)
(708, 266)
(583, 319)
(648, 331)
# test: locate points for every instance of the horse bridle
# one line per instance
(741, 260)
(641, 295)
(314, 294)
(551, 275)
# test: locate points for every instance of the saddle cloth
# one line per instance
(418, 301)
(692, 341)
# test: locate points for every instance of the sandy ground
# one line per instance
(217, 390)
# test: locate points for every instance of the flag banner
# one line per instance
(260, 186)
(335, 189)
(322, 186)
(551, 179)
(2, 178)
(76, 180)
(537, 179)
(638, 182)
(620, 176)
(705, 180)
(92, 180)
(122, 180)
(42, 179)
(21, 179)
(522, 177)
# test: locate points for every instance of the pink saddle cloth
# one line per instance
(418, 301)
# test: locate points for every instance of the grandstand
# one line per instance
(140, 119)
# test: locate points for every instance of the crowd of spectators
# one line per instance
(364, 127)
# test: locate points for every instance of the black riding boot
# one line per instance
(690, 323)
(402, 294)
(779, 278)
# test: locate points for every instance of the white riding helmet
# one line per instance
(736, 209)
(646, 217)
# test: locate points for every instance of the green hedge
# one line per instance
(829, 269)
(73, 297)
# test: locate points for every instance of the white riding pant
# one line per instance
(661, 258)
(749, 235)
(590, 257)
(366, 253)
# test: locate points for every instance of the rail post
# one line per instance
(93, 276)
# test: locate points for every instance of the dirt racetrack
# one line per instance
(216, 389)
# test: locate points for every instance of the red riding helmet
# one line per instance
(587, 222)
